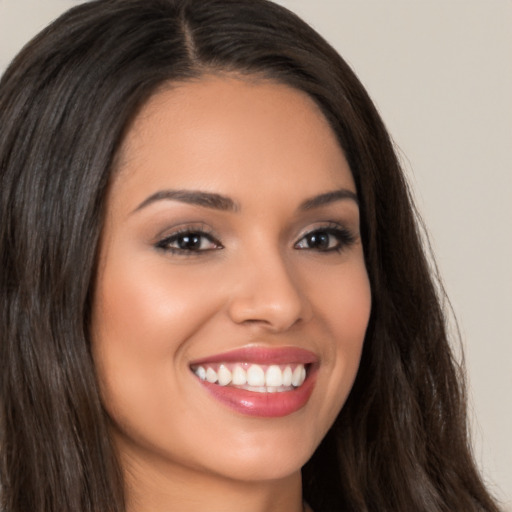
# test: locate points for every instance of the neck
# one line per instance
(164, 488)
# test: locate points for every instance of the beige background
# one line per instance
(440, 72)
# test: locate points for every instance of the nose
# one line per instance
(268, 293)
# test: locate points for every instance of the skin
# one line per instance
(257, 281)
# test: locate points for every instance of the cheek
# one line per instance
(342, 307)
(341, 297)
(144, 313)
(349, 320)
(150, 306)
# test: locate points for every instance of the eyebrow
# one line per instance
(327, 198)
(205, 199)
(224, 203)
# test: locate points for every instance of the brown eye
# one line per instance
(189, 242)
(320, 240)
(325, 240)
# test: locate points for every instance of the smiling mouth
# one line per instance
(259, 378)
(265, 382)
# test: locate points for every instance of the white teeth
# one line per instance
(211, 375)
(287, 376)
(255, 376)
(201, 372)
(298, 376)
(239, 376)
(273, 380)
(224, 375)
(274, 377)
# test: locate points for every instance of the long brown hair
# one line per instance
(400, 442)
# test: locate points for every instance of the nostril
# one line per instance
(268, 294)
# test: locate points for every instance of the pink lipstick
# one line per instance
(259, 381)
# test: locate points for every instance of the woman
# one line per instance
(213, 287)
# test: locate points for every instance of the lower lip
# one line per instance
(265, 405)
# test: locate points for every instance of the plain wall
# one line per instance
(440, 72)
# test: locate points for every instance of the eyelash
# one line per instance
(200, 234)
(343, 239)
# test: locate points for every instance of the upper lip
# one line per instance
(261, 355)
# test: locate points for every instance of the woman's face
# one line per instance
(232, 297)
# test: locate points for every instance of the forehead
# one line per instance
(220, 131)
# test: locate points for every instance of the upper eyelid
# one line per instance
(162, 240)
(193, 232)
(327, 225)
(185, 227)
(347, 236)
(208, 232)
